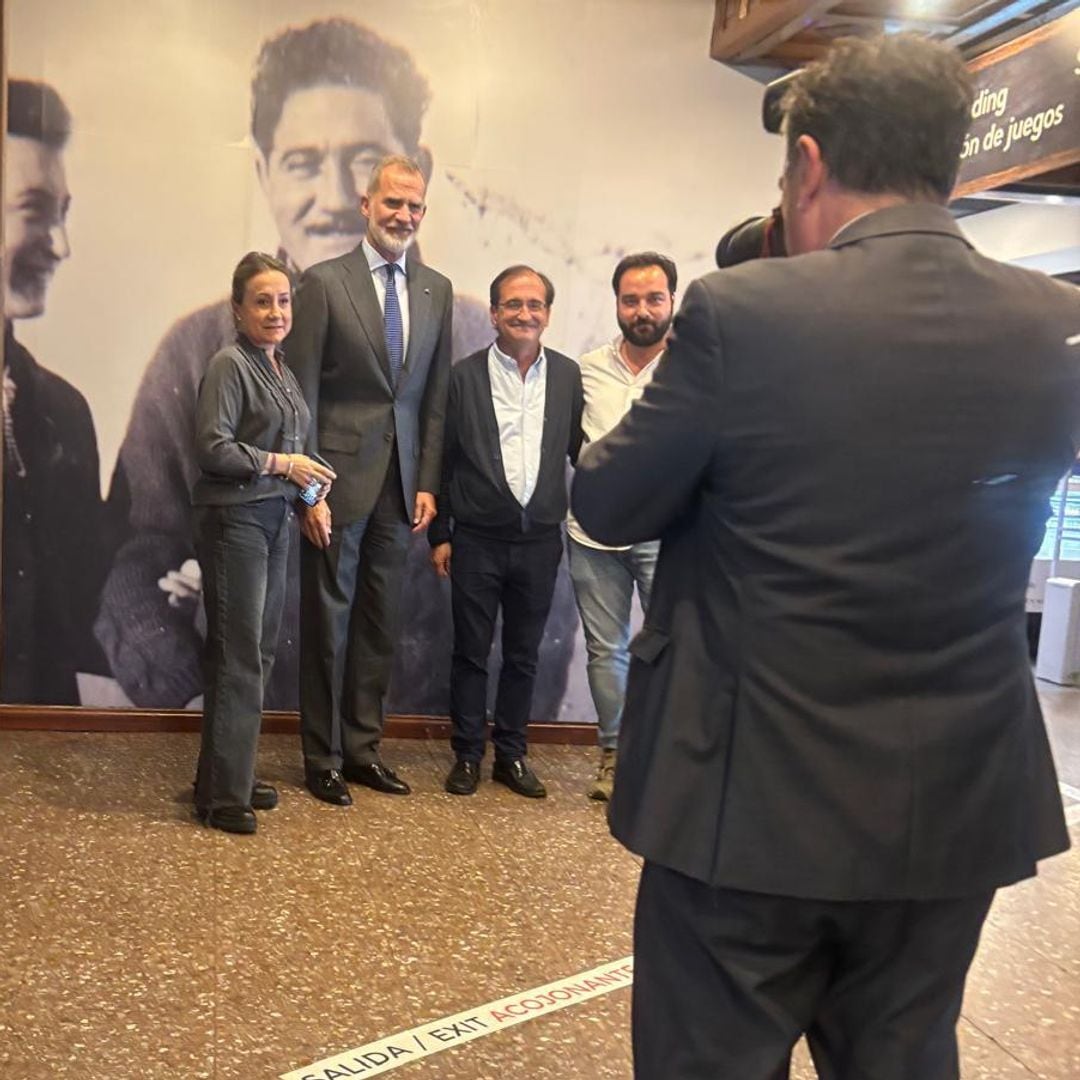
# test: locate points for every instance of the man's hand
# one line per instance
(315, 524)
(183, 586)
(423, 511)
(440, 559)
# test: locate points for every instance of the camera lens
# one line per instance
(744, 242)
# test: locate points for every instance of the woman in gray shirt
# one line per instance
(250, 426)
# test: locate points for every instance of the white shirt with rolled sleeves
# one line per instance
(611, 387)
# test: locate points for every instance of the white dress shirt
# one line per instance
(378, 277)
(610, 387)
(519, 414)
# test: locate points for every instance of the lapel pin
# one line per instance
(427, 292)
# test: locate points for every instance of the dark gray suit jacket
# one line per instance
(848, 455)
(337, 349)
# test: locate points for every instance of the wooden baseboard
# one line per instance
(72, 718)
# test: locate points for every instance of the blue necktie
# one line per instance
(395, 333)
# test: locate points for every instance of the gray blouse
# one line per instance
(244, 412)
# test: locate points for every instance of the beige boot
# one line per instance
(604, 784)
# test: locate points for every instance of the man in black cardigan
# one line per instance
(512, 421)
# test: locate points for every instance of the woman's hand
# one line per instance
(301, 470)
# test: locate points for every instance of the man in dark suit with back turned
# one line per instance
(832, 752)
(370, 346)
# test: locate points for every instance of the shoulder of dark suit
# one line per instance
(426, 276)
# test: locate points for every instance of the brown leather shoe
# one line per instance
(604, 783)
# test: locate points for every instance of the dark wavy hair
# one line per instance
(889, 113)
(639, 260)
(36, 111)
(336, 52)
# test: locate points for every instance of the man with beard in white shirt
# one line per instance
(614, 377)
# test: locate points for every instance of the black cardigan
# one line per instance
(474, 492)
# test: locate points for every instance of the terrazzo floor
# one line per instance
(135, 944)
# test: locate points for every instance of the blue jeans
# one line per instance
(604, 587)
(243, 551)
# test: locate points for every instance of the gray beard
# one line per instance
(391, 243)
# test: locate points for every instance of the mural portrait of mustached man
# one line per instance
(245, 129)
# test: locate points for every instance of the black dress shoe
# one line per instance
(518, 777)
(263, 796)
(234, 819)
(376, 775)
(463, 778)
(330, 786)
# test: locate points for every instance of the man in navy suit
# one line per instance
(370, 347)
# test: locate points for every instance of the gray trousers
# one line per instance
(243, 552)
(350, 604)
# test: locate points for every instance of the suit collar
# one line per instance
(894, 220)
(375, 260)
(491, 422)
(421, 313)
(361, 291)
(549, 446)
(508, 362)
(17, 357)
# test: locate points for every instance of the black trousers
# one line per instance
(725, 982)
(350, 598)
(487, 574)
(243, 553)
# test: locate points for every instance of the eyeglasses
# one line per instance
(534, 307)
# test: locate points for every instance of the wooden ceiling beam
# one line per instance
(795, 52)
(744, 29)
(805, 21)
(876, 23)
